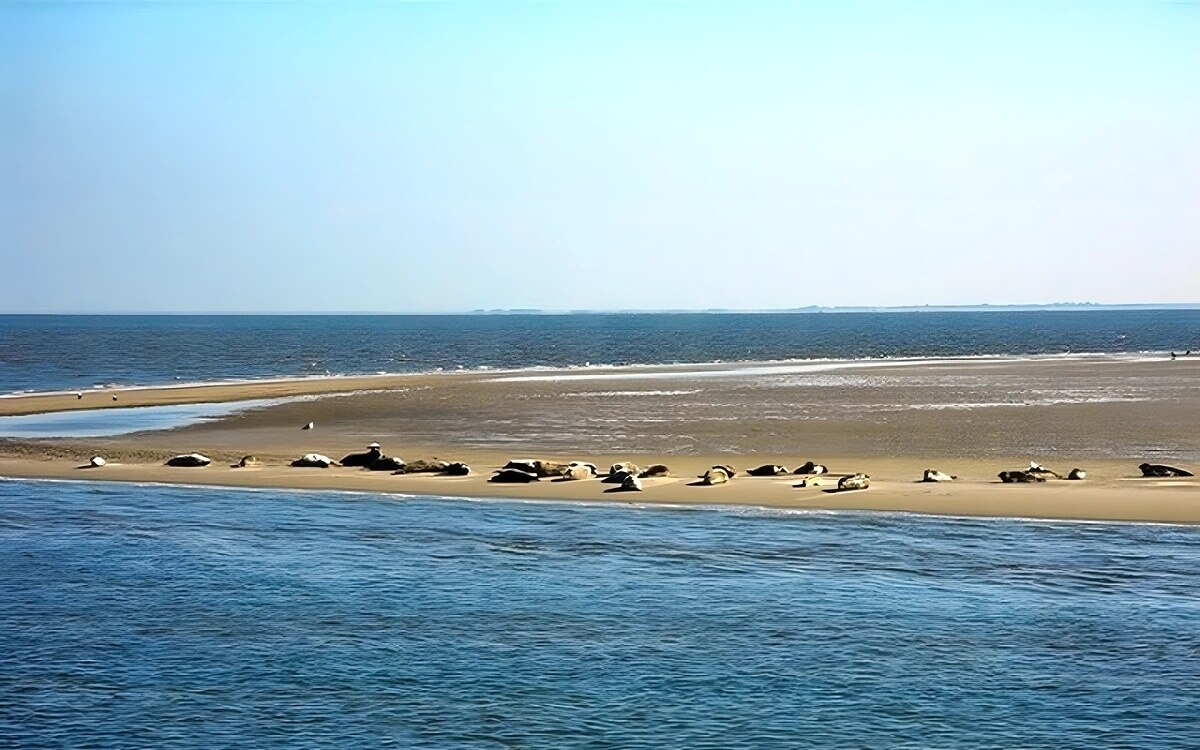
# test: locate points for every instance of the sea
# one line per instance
(73, 352)
(180, 617)
(144, 616)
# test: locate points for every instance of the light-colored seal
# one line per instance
(189, 459)
(626, 466)
(810, 482)
(933, 475)
(247, 461)
(578, 471)
(715, 475)
(97, 461)
(309, 426)
(422, 466)
(857, 481)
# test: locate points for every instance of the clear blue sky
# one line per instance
(451, 156)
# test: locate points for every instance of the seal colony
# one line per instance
(629, 477)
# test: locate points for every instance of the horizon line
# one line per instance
(810, 309)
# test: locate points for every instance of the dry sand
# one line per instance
(969, 418)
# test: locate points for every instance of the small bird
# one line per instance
(308, 426)
(78, 395)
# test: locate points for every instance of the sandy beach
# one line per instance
(971, 418)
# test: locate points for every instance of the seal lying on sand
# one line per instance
(767, 470)
(1160, 470)
(1077, 474)
(655, 470)
(372, 453)
(247, 461)
(1035, 468)
(189, 459)
(421, 466)
(457, 469)
(386, 463)
(314, 460)
(1020, 477)
(631, 484)
(809, 482)
(857, 481)
(618, 477)
(811, 468)
(514, 476)
(933, 475)
(715, 475)
(537, 466)
(626, 466)
(577, 471)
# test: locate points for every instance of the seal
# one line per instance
(1020, 477)
(576, 471)
(933, 475)
(309, 426)
(457, 469)
(767, 470)
(189, 459)
(514, 476)
(247, 461)
(626, 466)
(1077, 474)
(1035, 468)
(537, 466)
(857, 481)
(631, 484)
(617, 477)
(1161, 470)
(810, 468)
(809, 482)
(97, 461)
(372, 454)
(715, 475)
(314, 460)
(386, 463)
(655, 470)
(421, 466)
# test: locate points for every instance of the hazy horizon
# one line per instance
(451, 157)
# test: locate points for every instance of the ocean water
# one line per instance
(39, 352)
(139, 616)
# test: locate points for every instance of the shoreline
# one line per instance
(632, 503)
(1110, 494)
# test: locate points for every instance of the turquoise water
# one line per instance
(163, 617)
(69, 352)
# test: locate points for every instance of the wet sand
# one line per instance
(971, 418)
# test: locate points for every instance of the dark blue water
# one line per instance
(71, 351)
(189, 618)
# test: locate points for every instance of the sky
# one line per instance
(451, 156)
